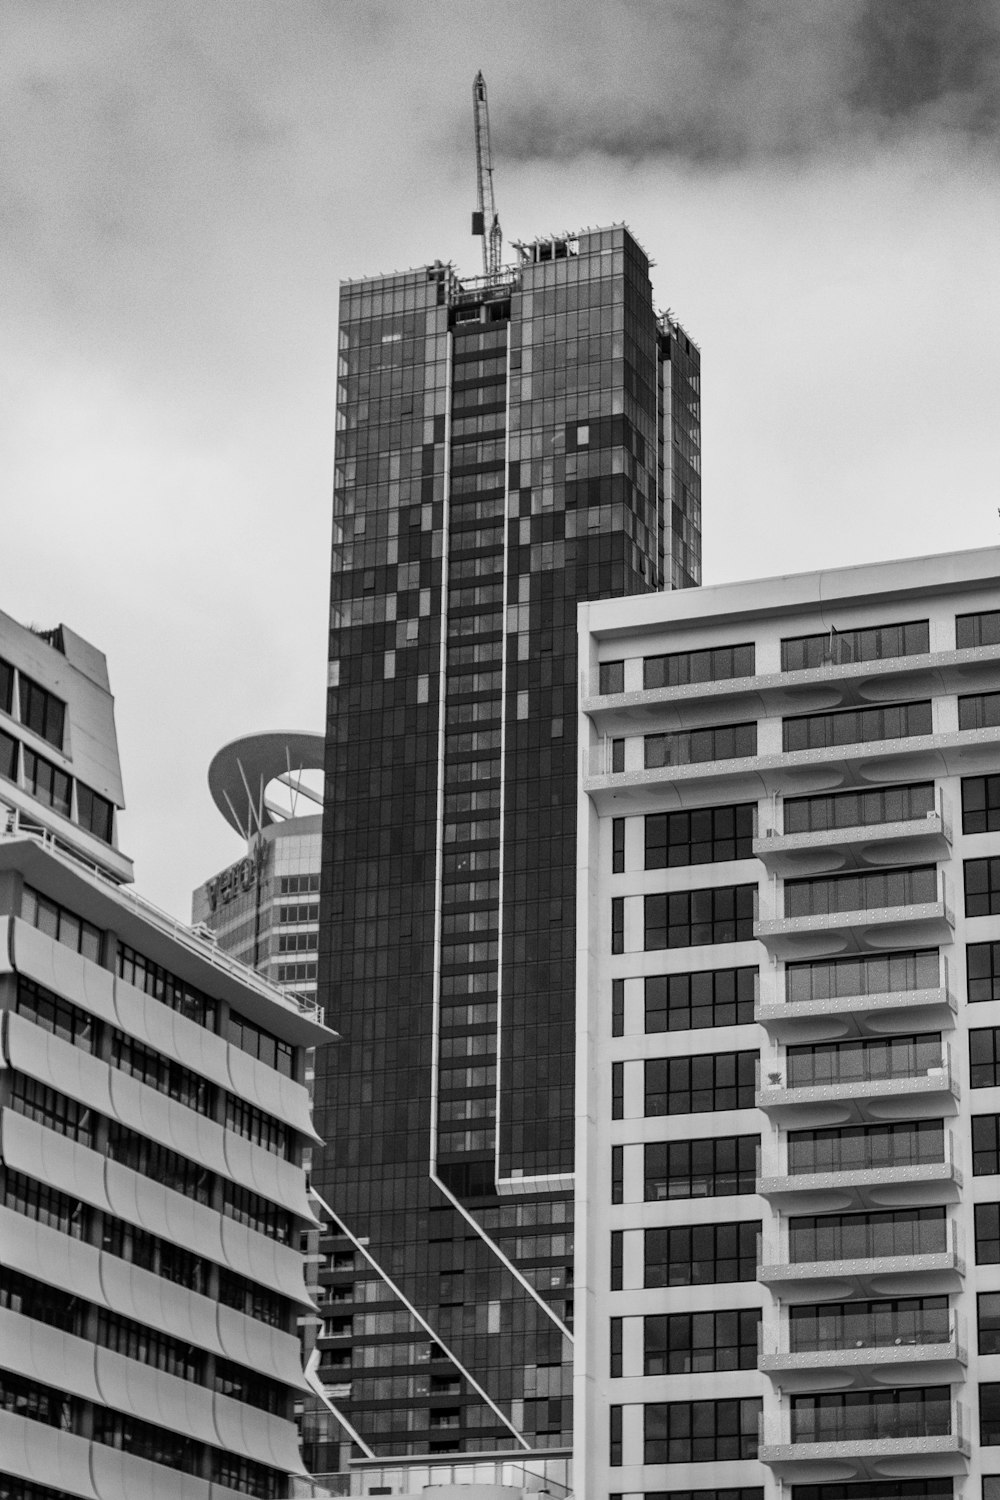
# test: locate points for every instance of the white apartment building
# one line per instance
(153, 1119)
(788, 1087)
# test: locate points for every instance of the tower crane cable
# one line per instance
(485, 219)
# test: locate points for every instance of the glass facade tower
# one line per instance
(505, 448)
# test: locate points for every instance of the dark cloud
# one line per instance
(726, 82)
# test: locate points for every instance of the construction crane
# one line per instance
(485, 220)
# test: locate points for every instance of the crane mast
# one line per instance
(485, 220)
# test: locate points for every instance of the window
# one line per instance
(269, 1049)
(684, 1432)
(46, 1205)
(46, 782)
(617, 1174)
(870, 643)
(95, 813)
(979, 711)
(250, 1387)
(617, 1091)
(46, 1304)
(681, 668)
(865, 1416)
(41, 711)
(866, 891)
(617, 755)
(701, 1254)
(8, 756)
(696, 1001)
(982, 887)
(984, 1057)
(694, 1343)
(873, 1324)
(688, 747)
(168, 988)
(161, 1257)
(987, 1234)
(617, 1007)
(257, 1213)
(618, 1259)
(862, 1148)
(981, 629)
(980, 804)
(253, 1124)
(982, 966)
(151, 1159)
(856, 726)
(988, 1322)
(692, 1085)
(39, 1403)
(717, 1167)
(6, 686)
(618, 924)
(858, 809)
(848, 978)
(867, 1236)
(148, 1346)
(821, 1063)
(60, 923)
(36, 1101)
(703, 836)
(617, 845)
(616, 1348)
(989, 1413)
(985, 1145)
(690, 919)
(53, 1014)
(611, 677)
(615, 1437)
(162, 1073)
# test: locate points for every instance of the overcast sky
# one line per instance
(185, 184)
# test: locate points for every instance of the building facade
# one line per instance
(789, 1013)
(505, 448)
(153, 1117)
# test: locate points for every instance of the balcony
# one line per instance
(839, 1263)
(912, 1347)
(883, 828)
(833, 1018)
(877, 1081)
(845, 918)
(859, 1173)
(894, 1440)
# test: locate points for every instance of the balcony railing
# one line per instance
(868, 1153)
(872, 1422)
(875, 1062)
(868, 1330)
(829, 1244)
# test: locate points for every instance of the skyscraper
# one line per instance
(506, 447)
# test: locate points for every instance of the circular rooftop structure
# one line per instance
(264, 779)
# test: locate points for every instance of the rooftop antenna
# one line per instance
(485, 220)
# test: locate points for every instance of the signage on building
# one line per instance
(240, 877)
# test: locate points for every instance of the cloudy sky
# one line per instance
(185, 184)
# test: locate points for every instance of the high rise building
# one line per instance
(788, 1154)
(506, 446)
(153, 1118)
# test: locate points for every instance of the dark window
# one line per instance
(693, 1085)
(684, 1432)
(148, 1346)
(982, 967)
(611, 677)
(151, 1159)
(618, 924)
(693, 1002)
(693, 1343)
(617, 1173)
(616, 1348)
(690, 919)
(688, 747)
(156, 1444)
(46, 782)
(984, 1057)
(617, 845)
(162, 1073)
(989, 1413)
(45, 1304)
(6, 686)
(256, 1212)
(879, 974)
(987, 1234)
(39, 1403)
(858, 809)
(617, 1090)
(62, 924)
(988, 1322)
(54, 1014)
(41, 711)
(863, 891)
(981, 629)
(255, 1301)
(263, 1129)
(8, 756)
(862, 1148)
(46, 1205)
(985, 1145)
(856, 726)
(615, 1437)
(95, 813)
(703, 836)
(870, 643)
(681, 668)
(980, 804)
(617, 1259)
(701, 1254)
(716, 1167)
(979, 711)
(158, 982)
(36, 1101)
(896, 1232)
(617, 1007)
(865, 1416)
(617, 755)
(161, 1257)
(982, 887)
